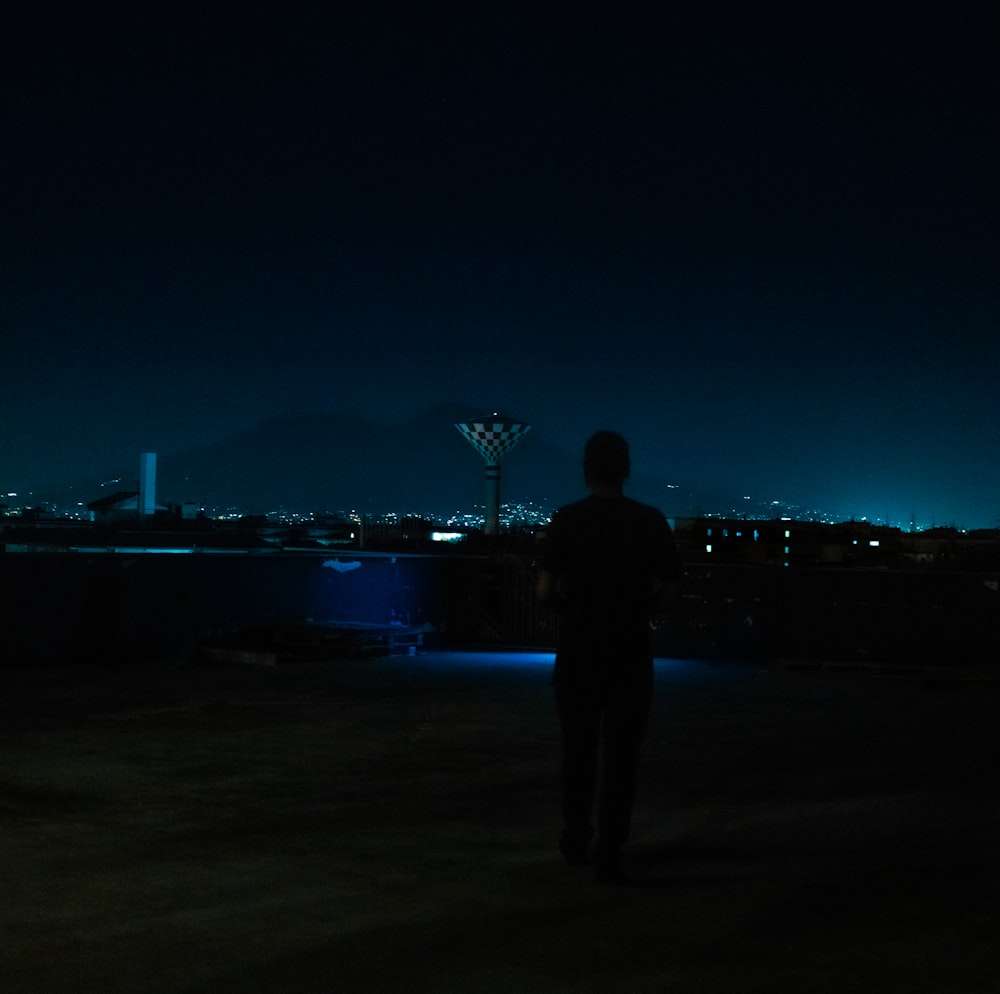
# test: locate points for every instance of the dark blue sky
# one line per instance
(760, 240)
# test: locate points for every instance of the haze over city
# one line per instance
(285, 248)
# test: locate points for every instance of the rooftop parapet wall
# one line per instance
(67, 608)
(74, 607)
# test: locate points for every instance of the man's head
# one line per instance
(606, 461)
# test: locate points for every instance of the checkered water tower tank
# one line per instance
(493, 437)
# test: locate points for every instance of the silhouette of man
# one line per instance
(608, 564)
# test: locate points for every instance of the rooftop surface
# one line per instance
(390, 824)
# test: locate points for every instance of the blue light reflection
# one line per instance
(524, 660)
(491, 660)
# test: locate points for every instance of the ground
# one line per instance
(390, 825)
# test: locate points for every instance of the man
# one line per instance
(609, 565)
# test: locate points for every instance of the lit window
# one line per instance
(708, 548)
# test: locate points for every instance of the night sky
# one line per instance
(761, 240)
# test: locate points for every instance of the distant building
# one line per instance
(147, 484)
(785, 542)
(130, 504)
(123, 505)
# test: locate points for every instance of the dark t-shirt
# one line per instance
(610, 557)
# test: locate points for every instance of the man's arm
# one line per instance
(549, 561)
(666, 588)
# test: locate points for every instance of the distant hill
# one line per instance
(340, 461)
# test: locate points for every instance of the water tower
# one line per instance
(493, 437)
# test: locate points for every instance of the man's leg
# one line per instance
(580, 717)
(625, 719)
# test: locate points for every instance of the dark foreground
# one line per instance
(389, 825)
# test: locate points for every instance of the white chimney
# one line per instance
(147, 484)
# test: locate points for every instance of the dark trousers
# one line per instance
(603, 725)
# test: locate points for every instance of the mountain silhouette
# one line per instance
(339, 461)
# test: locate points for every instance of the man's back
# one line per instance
(611, 555)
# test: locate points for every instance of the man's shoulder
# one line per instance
(605, 508)
(575, 508)
(569, 513)
(618, 502)
(643, 510)
(643, 514)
